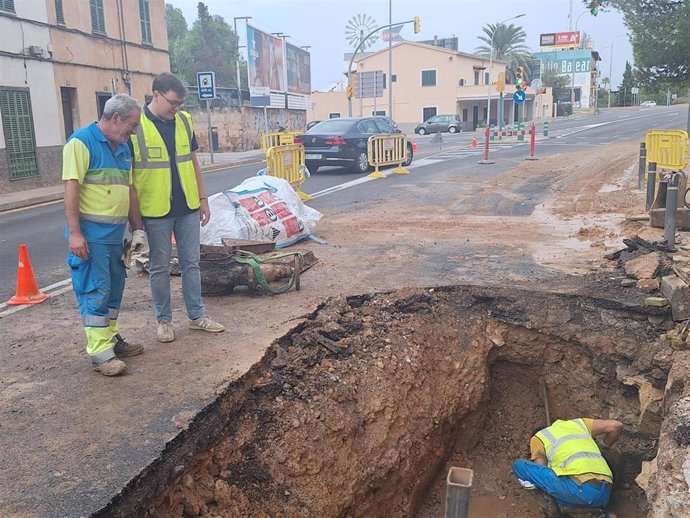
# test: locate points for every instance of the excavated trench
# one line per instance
(361, 409)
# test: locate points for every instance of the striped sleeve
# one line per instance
(75, 160)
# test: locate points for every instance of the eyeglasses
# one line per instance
(174, 104)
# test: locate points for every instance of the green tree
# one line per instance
(560, 84)
(177, 33)
(508, 43)
(660, 36)
(625, 96)
(209, 45)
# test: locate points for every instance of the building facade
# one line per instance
(61, 60)
(431, 80)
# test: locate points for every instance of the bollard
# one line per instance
(651, 185)
(643, 164)
(458, 491)
(532, 142)
(492, 134)
(546, 128)
(486, 149)
(520, 133)
(670, 215)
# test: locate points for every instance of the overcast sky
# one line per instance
(321, 24)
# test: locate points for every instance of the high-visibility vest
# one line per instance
(151, 172)
(570, 449)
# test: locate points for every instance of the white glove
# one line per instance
(138, 241)
(136, 245)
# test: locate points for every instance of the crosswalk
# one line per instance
(462, 152)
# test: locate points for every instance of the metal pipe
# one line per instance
(642, 165)
(458, 491)
(237, 60)
(671, 208)
(545, 395)
(651, 185)
(390, 62)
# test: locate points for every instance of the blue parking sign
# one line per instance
(206, 85)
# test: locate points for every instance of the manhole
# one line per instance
(361, 410)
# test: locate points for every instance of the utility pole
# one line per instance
(390, 61)
(237, 60)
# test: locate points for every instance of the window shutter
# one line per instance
(145, 18)
(7, 5)
(20, 143)
(97, 17)
(59, 13)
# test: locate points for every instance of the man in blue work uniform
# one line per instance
(567, 468)
(97, 174)
(171, 200)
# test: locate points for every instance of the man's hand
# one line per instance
(78, 246)
(204, 212)
(138, 241)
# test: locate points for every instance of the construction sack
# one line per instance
(261, 208)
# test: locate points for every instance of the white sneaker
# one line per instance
(165, 332)
(205, 324)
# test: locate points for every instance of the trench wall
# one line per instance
(353, 413)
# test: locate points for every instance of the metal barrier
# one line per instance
(667, 148)
(387, 150)
(287, 162)
(278, 138)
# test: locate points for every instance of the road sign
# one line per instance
(519, 97)
(206, 85)
(369, 85)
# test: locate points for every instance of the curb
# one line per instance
(58, 195)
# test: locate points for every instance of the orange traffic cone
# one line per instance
(27, 288)
(474, 142)
(414, 145)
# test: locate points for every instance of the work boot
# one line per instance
(547, 504)
(123, 349)
(165, 332)
(111, 367)
(205, 324)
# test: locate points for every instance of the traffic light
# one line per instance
(349, 91)
(501, 82)
(519, 78)
(595, 8)
(417, 25)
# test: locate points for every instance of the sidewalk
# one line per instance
(20, 199)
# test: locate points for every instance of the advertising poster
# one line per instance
(265, 60)
(298, 70)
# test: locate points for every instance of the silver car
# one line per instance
(450, 123)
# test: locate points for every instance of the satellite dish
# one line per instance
(357, 28)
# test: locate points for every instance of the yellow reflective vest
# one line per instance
(151, 171)
(570, 449)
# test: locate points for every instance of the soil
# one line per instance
(306, 404)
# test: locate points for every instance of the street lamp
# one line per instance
(491, 64)
(237, 61)
(611, 66)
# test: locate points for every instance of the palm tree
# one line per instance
(508, 45)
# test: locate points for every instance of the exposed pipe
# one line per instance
(123, 43)
(545, 395)
(458, 490)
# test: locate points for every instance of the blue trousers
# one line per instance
(98, 284)
(159, 234)
(564, 489)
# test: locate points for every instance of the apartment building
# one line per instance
(429, 80)
(61, 60)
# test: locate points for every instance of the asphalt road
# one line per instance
(42, 228)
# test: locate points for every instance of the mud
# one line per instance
(361, 409)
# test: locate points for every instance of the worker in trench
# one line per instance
(567, 468)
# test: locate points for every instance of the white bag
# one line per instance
(261, 208)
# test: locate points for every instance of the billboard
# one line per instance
(265, 60)
(298, 70)
(560, 39)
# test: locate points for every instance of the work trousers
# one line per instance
(564, 489)
(98, 283)
(159, 234)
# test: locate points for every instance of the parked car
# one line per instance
(343, 142)
(647, 104)
(450, 123)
